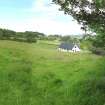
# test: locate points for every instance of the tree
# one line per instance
(30, 36)
(89, 13)
(53, 37)
(7, 34)
(1, 34)
(66, 39)
(76, 40)
(27, 36)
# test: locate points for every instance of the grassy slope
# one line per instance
(37, 74)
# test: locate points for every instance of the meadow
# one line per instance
(38, 74)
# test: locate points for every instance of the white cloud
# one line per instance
(44, 25)
(50, 20)
(46, 18)
(55, 27)
(43, 6)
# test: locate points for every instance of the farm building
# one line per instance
(69, 47)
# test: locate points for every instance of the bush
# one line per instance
(98, 51)
(28, 36)
(31, 40)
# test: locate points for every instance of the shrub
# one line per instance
(98, 51)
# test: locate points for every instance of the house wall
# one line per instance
(76, 49)
(63, 50)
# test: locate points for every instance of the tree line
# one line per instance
(87, 42)
(27, 36)
(30, 36)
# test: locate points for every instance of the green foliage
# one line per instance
(66, 39)
(7, 34)
(27, 36)
(53, 37)
(70, 39)
(37, 74)
(100, 41)
(30, 37)
(98, 51)
(1, 34)
(86, 42)
(89, 13)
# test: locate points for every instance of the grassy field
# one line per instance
(38, 74)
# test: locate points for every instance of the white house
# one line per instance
(69, 47)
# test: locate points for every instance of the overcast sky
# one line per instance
(36, 15)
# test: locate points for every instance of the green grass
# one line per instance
(38, 74)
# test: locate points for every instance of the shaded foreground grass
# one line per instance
(37, 74)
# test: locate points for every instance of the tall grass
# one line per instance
(38, 74)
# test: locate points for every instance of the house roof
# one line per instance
(67, 46)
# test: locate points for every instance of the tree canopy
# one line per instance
(89, 13)
(27, 36)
